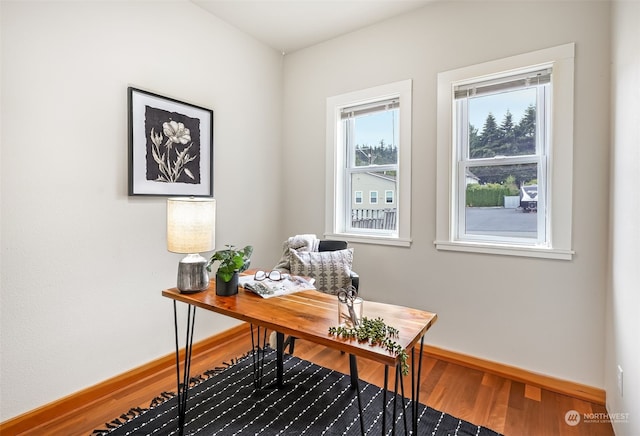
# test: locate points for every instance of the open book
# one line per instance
(271, 288)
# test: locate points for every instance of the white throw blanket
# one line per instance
(298, 243)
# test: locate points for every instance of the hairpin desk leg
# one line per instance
(183, 387)
(384, 399)
(403, 406)
(416, 398)
(353, 369)
(258, 347)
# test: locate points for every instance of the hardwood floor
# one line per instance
(506, 406)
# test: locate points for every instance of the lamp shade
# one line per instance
(191, 224)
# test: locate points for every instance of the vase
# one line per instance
(226, 289)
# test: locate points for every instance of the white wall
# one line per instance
(83, 264)
(623, 296)
(542, 315)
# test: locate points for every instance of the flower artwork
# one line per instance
(173, 150)
(170, 146)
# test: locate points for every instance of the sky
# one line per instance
(498, 104)
(370, 129)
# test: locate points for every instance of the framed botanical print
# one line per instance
(170, 146)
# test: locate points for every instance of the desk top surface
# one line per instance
(309, 314)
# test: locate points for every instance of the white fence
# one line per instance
(380, 219)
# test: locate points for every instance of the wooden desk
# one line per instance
(305, 315)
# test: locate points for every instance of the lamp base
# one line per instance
(192, 274)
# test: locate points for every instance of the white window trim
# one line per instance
(560, 170)
(357, 197)
(335, 161)
(373, 195)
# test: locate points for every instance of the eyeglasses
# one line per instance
(271, 275)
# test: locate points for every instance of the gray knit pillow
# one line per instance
(331, 269)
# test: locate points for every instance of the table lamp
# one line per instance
(191, 230)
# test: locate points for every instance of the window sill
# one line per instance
(369, 239)
(507, 250)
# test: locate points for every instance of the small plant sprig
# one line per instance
(375, 332)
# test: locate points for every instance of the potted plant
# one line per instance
(232, 262)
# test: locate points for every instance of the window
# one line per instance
(505, 145)
(501, 148)
(389, 196)
(369, 150)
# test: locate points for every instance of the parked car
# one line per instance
(529, 198)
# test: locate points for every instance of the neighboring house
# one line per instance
(472, 179)
(373, 191)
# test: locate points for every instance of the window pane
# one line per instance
(389, 196)
(503, 124)
(496, 203)
(376, 138)
(368, 214)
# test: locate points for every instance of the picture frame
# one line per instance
(170, 146)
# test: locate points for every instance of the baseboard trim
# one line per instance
(70, 403)
(572, 389)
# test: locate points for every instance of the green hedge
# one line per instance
(489, 195)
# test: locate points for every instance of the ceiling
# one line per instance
(290, 25)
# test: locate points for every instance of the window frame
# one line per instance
(558, 164)
(337, 195)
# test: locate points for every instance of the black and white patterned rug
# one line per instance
(315, 401)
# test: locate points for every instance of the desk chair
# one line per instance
(327, 245)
